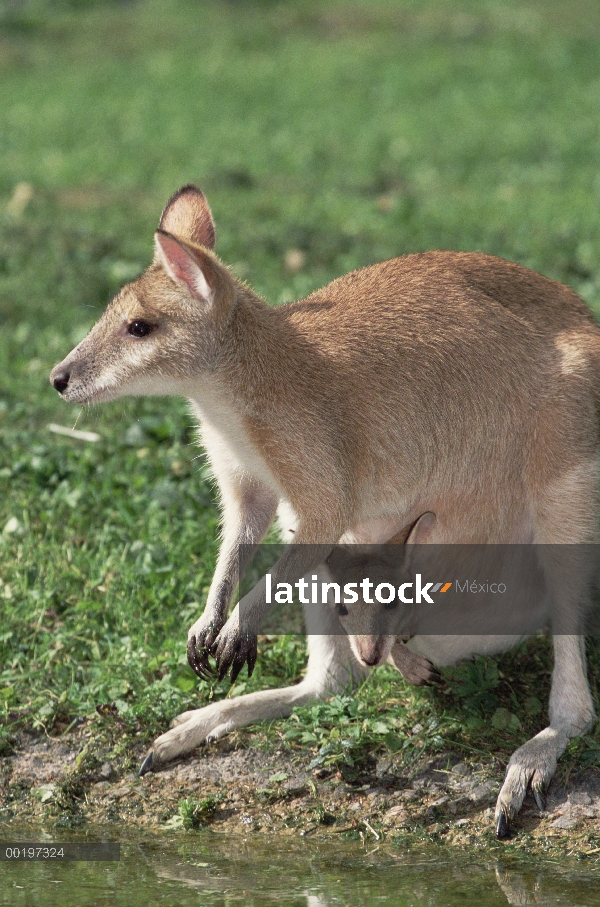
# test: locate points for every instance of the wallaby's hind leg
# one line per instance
(331, 669)
(571, 713)
(571, 708)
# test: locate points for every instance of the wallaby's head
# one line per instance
(165, 328)
(374, 627)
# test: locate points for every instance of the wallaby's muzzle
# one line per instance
(59, 378)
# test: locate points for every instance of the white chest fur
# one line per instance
(230, 449)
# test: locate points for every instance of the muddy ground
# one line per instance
(235, 788)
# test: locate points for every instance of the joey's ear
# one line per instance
(419, 534)
(185, 266)
(414, 533)
(187, 216)
(422, 529)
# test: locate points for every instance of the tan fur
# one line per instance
(446, 368)
(445, 382)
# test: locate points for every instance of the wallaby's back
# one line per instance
(418, 283)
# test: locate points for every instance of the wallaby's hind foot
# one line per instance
(571, 713)
(190, 729)
(193, 728)
(323, 679)
(531, 767)
(331, 669)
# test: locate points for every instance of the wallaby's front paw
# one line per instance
(200, 639)
(232, 650)
(197, 656)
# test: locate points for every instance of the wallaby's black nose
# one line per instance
(61, 382)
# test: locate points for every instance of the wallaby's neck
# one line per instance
(259, 354)
(244, 405)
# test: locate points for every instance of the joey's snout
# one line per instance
(372, 651)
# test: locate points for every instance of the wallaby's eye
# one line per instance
(140, 328)
(342, 610)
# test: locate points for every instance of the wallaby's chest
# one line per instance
(228, 444)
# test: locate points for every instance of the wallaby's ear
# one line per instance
(184, 265)
(187, 216)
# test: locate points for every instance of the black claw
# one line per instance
(192, 654)
(234, 656)
(203, 675)
(204, 669)
(198, 660)
(146, 765)
(236, 666)
(540, 799)
(223, 667)
(502, 827)
(252, 654)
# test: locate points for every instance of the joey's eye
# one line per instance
(342, 610)
(140, 328)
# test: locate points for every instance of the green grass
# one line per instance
(350, 131)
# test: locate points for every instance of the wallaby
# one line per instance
(456, 384)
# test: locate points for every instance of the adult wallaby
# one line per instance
(454, 384)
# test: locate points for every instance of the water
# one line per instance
(205, 869)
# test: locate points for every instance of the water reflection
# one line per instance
(527, 890)
(210, 869)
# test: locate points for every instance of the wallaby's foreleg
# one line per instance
(248, 511)
(236, 642)
(331, 669)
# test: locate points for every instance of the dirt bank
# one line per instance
(71, 780)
